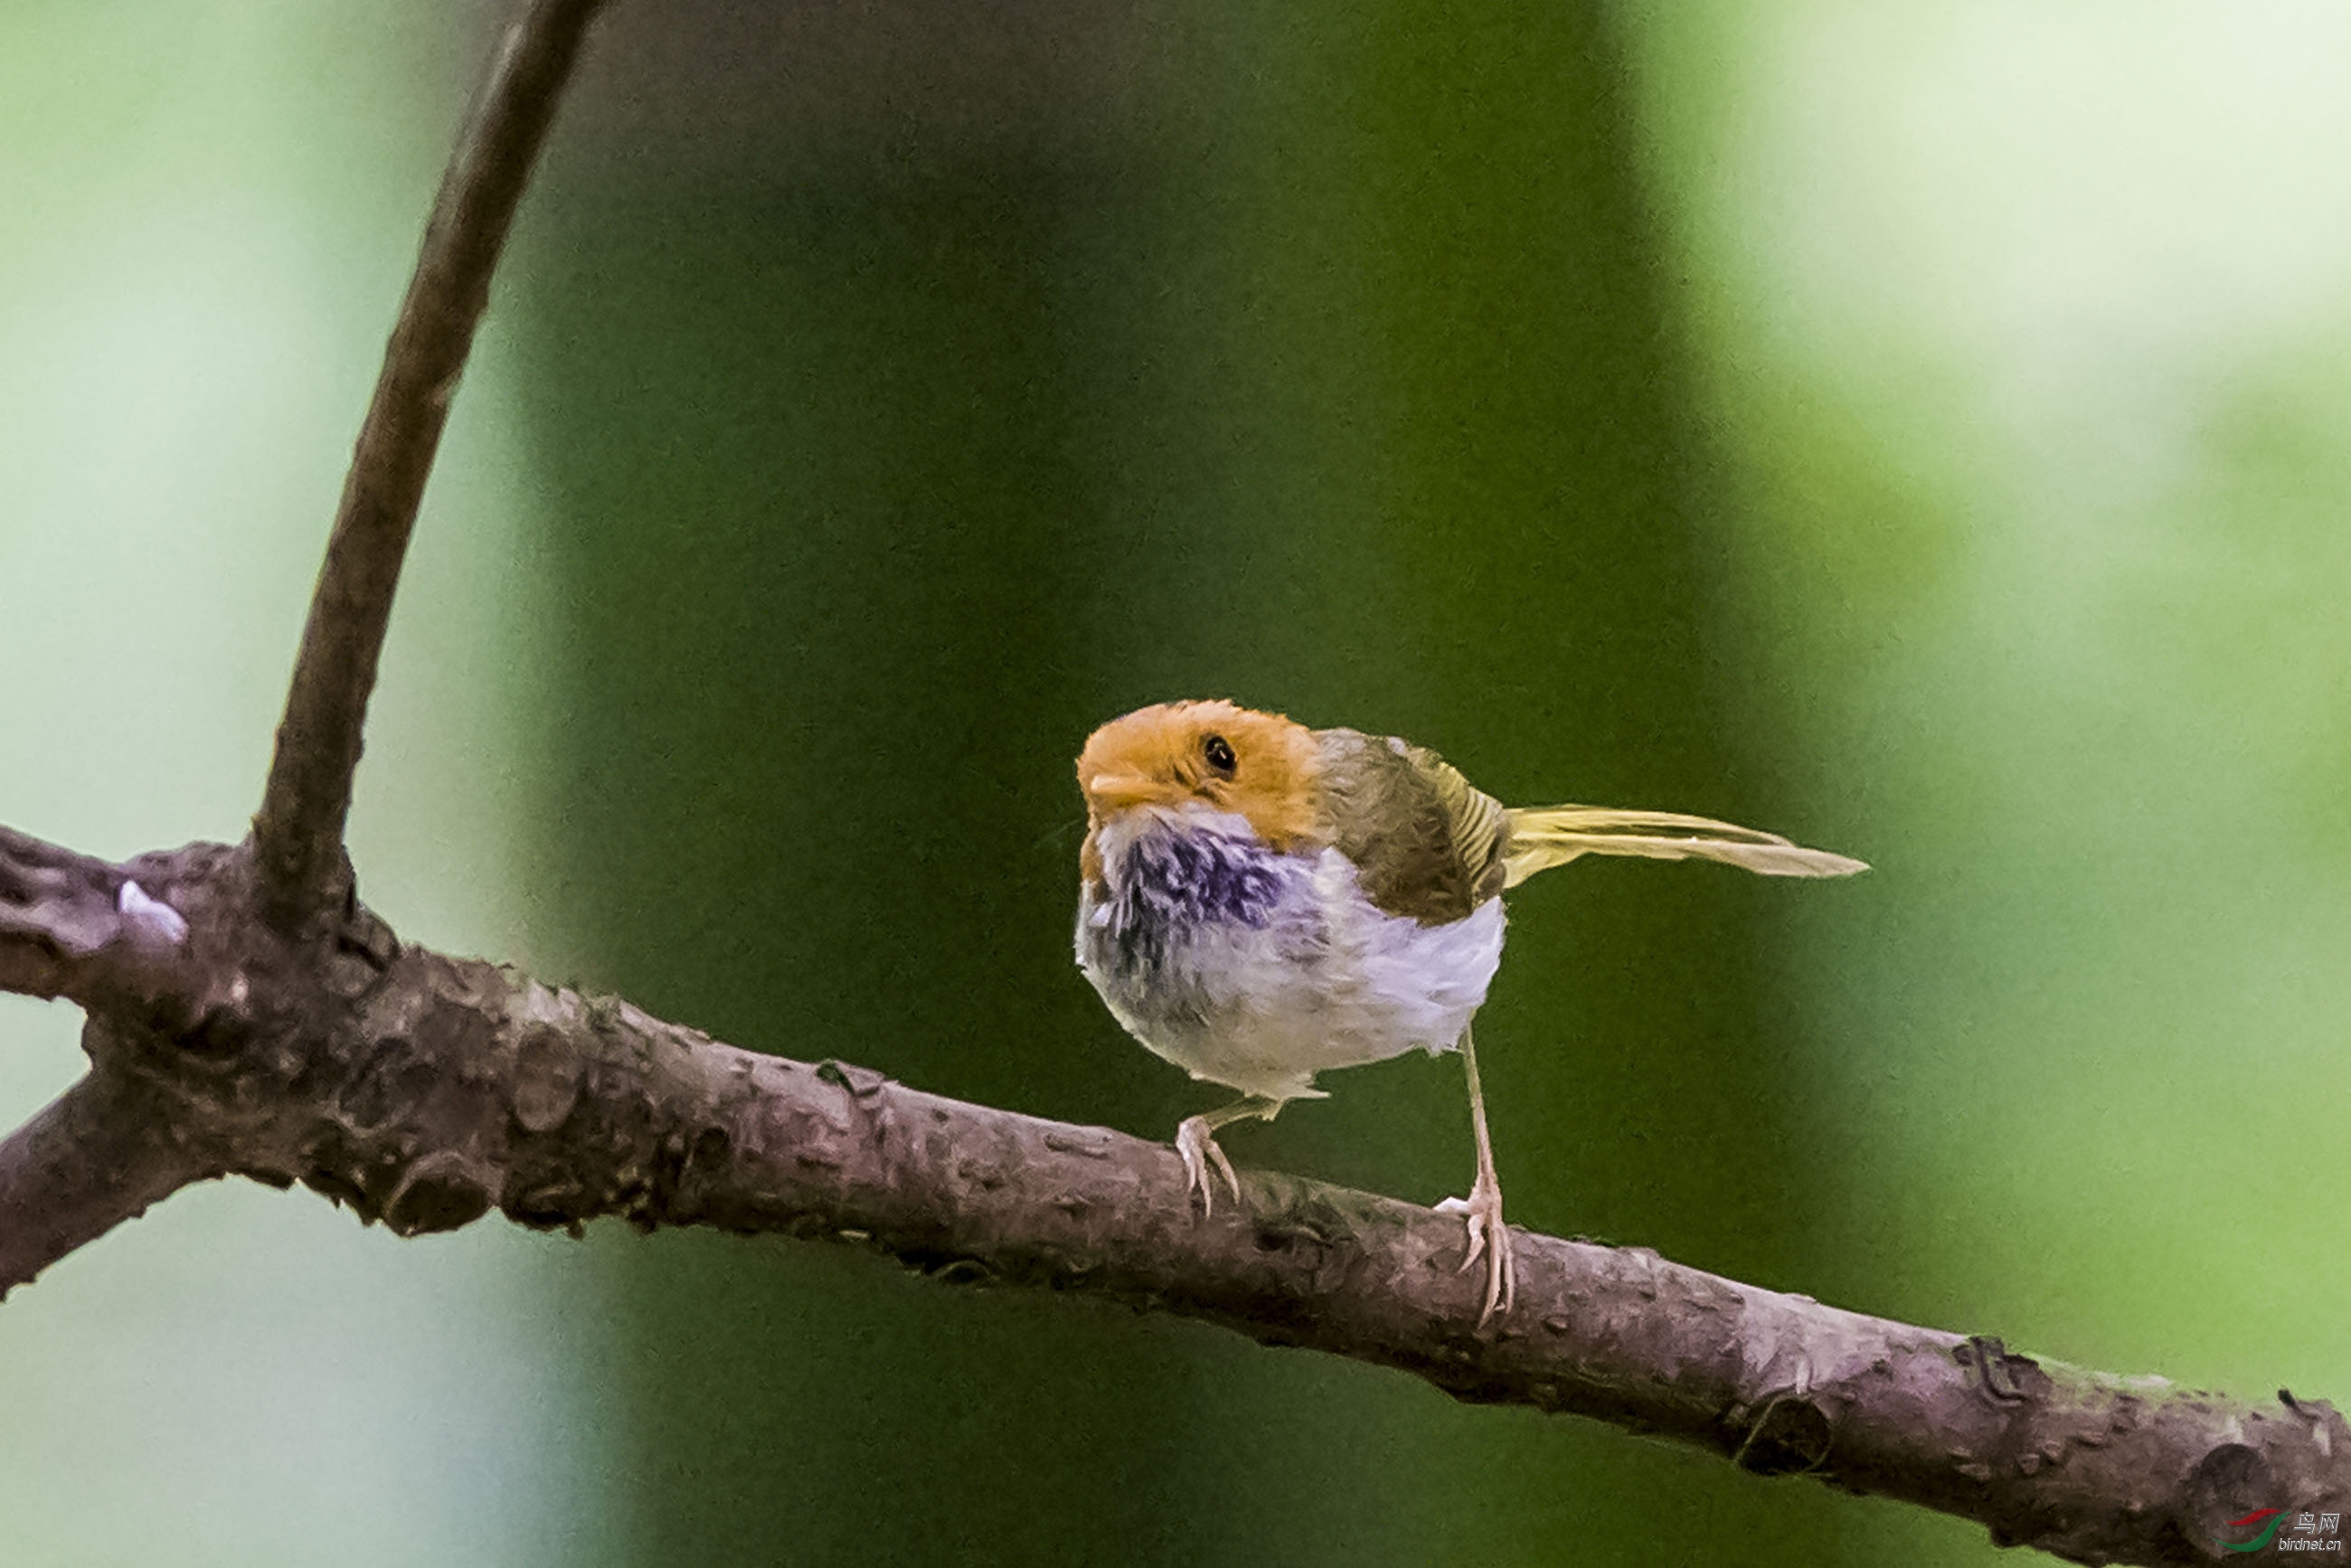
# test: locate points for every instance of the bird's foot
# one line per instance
(1196, 1140)
(1489, 1239)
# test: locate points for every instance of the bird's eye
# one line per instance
(1219, 753)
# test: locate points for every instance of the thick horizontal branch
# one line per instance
(300, 828)
(424, 1091)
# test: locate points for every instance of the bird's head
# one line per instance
(1259, 765)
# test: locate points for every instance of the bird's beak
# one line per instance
(1108, 792)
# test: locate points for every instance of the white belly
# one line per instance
(1259, 970)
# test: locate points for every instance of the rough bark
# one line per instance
(424, 1091)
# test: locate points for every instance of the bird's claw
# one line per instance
(1487, 1237)
(1197, 1143)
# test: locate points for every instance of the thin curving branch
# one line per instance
(423, 1091)
(300, 828)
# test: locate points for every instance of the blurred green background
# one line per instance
(1918, 429)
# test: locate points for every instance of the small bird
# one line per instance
(1259, 901)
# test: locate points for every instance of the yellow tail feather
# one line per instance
(1542, 838)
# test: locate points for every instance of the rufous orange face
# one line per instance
(1260, 766)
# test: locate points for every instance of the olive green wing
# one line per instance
(1427, 842)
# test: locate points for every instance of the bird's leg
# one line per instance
(1489, 1236)
(1196, 1140)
